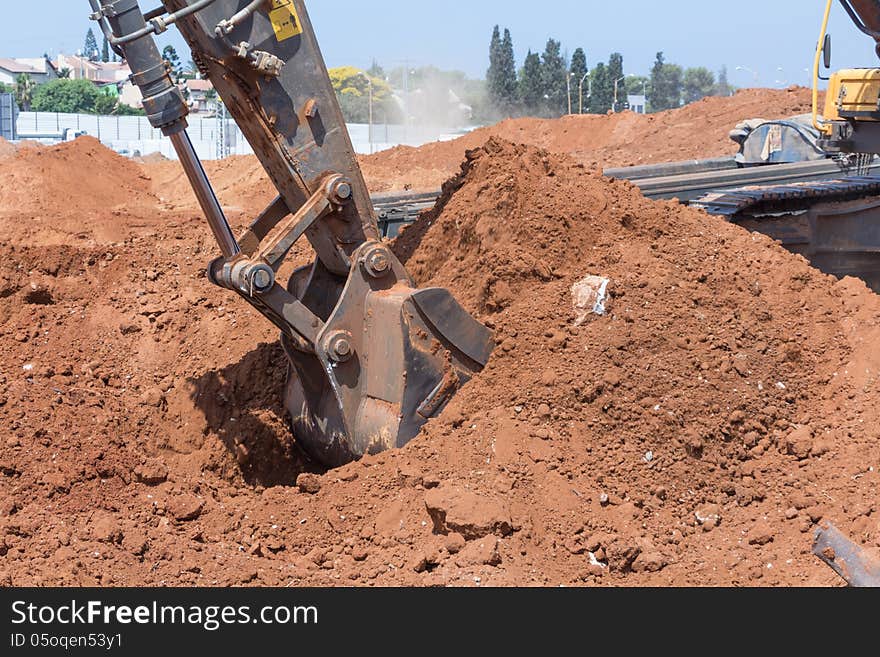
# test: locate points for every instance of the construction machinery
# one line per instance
(851, 122)
(823, 200)
(372, 358)
(810, 182)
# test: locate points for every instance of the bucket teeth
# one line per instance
(388, 360)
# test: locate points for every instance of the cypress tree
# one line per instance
(723, 88)
(90, 48)
(578, 70)
(666, 85)
(553, 74)
(507, 73)
(600, 101)
(531, 87)
(494, 77)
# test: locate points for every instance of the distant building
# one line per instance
(202, 97)
(637, 104)
(81, 68)
(39, 69)
(103, 74)
(130, 94)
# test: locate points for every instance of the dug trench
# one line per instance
(692, 435)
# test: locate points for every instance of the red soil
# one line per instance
(693, 435)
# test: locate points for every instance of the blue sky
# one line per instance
(762, 35)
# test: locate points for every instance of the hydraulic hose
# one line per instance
(226, 26)
(156, 25)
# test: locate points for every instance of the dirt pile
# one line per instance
(695, 131)
(73, 177)
(698, 130)
(6, 148)
(239, 181)
(692, 435)
(728, 379)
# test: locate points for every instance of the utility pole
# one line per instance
(746, 69)
(581, 92)
(370, 88)
(616, 83)
(568, 86)
(222, 131)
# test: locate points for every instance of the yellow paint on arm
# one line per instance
(285, 20)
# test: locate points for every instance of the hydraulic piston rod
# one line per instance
(205, 194)
(371, 357)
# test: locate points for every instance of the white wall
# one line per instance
(135, 134)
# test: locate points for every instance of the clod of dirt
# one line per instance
(185, 507)
(309, 483)
(467, 513)
(152, 473)
(39, 296)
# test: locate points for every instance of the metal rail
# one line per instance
(687, 181)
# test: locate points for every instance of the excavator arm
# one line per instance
(866, 15)
(372, 357)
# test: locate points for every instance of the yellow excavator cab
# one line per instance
(853, 94)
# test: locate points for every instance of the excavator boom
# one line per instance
(372, 357)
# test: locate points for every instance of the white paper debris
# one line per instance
(589, 297)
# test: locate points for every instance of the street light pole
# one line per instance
(370, 88)
(568, 85)
(782, 81)
(581, 92)
(748, 70)
(616, 83)
(371, 114)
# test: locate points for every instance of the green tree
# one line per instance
(352, 87)
(578, 70)
(603, 90)
(666, 85)
(638, 85)
(105, 51)
(127, 110)
(64, 73)
(616, 79)
(501, 77)
(24, 91)
(494, 83)
(66, 96)
(553, 79)
(6, 89)
(376, 71)
(104, 104)
(90, 47)
(508, 72)
(698, 83)
(169, 54)
(531, 87)
(722, 87)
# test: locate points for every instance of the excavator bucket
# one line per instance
(388, 359)
(372, 358)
